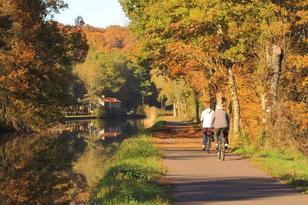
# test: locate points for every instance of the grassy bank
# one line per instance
(290, 167)
(132, 178)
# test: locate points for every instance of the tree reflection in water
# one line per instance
(57, 167)
(38, 168)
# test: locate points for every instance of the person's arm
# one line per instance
(201, 117)
(228, 119)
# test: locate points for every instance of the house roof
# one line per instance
(110, 100)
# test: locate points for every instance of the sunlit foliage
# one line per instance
(37, 56)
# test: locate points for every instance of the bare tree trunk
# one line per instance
(142, 100)
(271, 84)
(277, 58)
(212, 92)
(162, 103)
(174, 109)
(197, 106)
(236, 104)
(178, 109)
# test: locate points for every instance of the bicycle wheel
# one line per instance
(218, 148)
(223, 150)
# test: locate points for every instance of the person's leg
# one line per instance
(204, 138)
(216, 134)
(226, 136)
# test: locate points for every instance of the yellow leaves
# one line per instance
(297, 111)
(303, 14)
(298, 61)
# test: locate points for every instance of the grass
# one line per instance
(160, 123)
(290, 167)
(133, 176)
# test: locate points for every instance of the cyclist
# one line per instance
(206, 119)
(221, 123)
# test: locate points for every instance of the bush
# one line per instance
(110, 113)
(140, 111)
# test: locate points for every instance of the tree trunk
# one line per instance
(174, 109)
(212, 92)
(271, 85)
(162, 103)
(235, 102)
(142, 100)
(178, 109)
(277, 58)
(197, 104)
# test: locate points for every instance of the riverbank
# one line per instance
(133, 175)
(77, 117)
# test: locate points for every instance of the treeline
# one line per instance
(111, 68)
(250, 56)
(37, 57)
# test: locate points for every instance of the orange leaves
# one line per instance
(25, 53)
(17, 73)
(114, 38)
(182, 58)
(17, 81)
(36, 63)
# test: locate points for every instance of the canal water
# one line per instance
(62, 165)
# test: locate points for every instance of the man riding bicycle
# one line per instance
(221, 122)
(206, 119)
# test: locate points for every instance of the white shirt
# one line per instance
(206, 118)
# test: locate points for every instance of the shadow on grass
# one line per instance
(294, 181)
(133, 177)
(131, 182)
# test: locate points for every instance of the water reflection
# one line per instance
(104, 129)
(59, 166)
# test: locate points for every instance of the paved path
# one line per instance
(200, 178)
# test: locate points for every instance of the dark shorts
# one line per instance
(224, 131)
(208, 131)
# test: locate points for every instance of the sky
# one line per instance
(98, 13)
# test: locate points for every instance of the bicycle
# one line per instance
(221, 146)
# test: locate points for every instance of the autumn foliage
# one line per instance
(37, 56)
(252, 54)
(111, 68)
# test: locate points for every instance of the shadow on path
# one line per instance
(226, 189)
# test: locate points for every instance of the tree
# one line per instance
(239, 49)
(37, 57)
(111, 68)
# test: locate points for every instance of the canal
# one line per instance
(62, 165)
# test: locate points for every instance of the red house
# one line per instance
(109, 102)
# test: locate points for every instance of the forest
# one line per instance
(250, 56)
